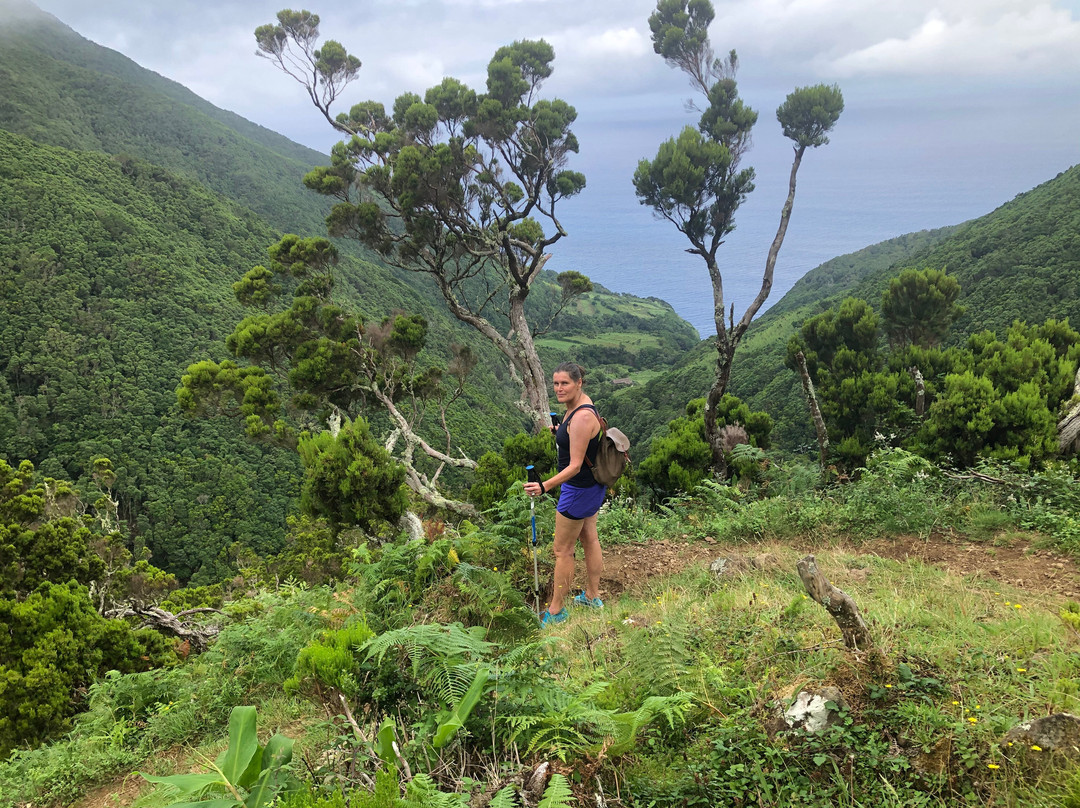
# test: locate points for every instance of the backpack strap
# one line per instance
(603, 428)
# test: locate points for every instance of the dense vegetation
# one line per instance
(1017, 262)
(662, 699)
(114, 275)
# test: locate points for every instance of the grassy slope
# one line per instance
(966, 658)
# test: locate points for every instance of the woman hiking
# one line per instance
(577, 438)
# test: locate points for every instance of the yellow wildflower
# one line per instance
(1021, 670)
(1036, 748)
(992, 766)
(973, 720)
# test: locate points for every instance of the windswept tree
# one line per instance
(333, 364)
(697, 180)
(458, 185)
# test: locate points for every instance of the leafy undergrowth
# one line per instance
(423, 680)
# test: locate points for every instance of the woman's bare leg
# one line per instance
(567, 532)
(594, 556)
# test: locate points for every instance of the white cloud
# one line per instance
(621, 42)
(1004, 39)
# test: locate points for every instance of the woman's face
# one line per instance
(566, 389)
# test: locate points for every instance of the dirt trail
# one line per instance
(627, 567)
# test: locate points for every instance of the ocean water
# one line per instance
(882, 175)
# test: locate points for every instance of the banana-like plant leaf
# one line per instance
(384, 743)
(254, 767)
(243, 744)
(278, 752)
(264, 792)
(216, 803)
(448, 728)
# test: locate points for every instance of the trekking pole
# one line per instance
(534, 477)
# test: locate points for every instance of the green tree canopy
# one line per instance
(460, 186)
(697, 181)
(919, 307)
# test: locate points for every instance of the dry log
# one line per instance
(198, 636)
(838, 604)
(815, 410)
(1069, 426)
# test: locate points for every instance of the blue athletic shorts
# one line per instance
(580, 503)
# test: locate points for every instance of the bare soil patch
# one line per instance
(628, 567)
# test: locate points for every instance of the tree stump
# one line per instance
(838, 604)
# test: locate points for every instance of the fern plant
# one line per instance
(558, 793)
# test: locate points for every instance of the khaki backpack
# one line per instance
(612, 455)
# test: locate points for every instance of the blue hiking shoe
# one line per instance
(547, 618)
(585, 600)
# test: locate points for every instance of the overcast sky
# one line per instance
(916, 49)
(952, 106)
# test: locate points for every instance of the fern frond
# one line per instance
(452, 643)
(528, 653)
(672, 708)
(558, 793)
(662, 657)
(421, 792)
(505, 798)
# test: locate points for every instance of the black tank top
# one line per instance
(584, 478)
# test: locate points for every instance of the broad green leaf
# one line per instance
(243, 744)
(263, 792)
(457, 718)
(217, 803)
(254, 767)
(278, 752)
(384, 743)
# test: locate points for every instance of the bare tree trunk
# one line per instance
(535, 385)
(728, 338)
(1069, 426)
(815, 411)
(920, 391)
(837, 603)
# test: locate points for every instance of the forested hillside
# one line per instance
(186, 383)
(120, 247)
(115, 274)
(64, 90)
